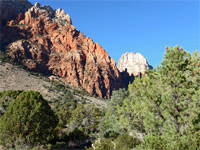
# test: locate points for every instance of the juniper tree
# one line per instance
(28, 117)
(6, 97)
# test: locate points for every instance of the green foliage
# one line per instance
(153, 142)
(160, 110)
(125, 141)
(6, 97)
(122, 142)
(64, 108)
(85, 119)
(109, 125)
(166, 102)
(104, 144)
(79, 123)
(4, 57)
(163, 106)
(117, 98)
(28, 117)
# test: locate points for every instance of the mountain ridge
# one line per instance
(45, 41)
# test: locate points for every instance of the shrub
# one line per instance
(85, 119)
(6, 97)
(104, 144)
(125, 141)
(28, 117)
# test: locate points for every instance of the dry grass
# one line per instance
(14, 78)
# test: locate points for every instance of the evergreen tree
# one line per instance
(164, 105)
(85, 119)
(6, 97)
(108, 124)
(28, 117)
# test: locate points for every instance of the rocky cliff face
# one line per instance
(134, 64)
(9, 9)
(45, 41)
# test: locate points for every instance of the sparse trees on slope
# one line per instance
(85, 119)
(109, 125)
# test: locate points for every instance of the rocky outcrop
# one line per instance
(9, 9)
(133, 63)
(62, 16)
(45, 41)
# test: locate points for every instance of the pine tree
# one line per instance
(108, 125)
(164, 106)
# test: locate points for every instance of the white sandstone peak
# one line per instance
(134, 63)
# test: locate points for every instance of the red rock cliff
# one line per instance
(47, 42)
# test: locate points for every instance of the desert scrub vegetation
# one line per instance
(28, 121)
(159, 110)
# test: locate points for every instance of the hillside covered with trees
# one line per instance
(160, 110)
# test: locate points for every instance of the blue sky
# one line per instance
(135, 26)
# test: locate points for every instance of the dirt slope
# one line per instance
(14, 78)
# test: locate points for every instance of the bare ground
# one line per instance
(14, 78)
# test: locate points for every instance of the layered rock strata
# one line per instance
(45, 41)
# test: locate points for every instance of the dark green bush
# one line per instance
(86, 119)
(6, 97)
(105, 144)
(125, 141)
(154, 142)
(28, 117)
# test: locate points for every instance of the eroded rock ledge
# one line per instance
(45, 41)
